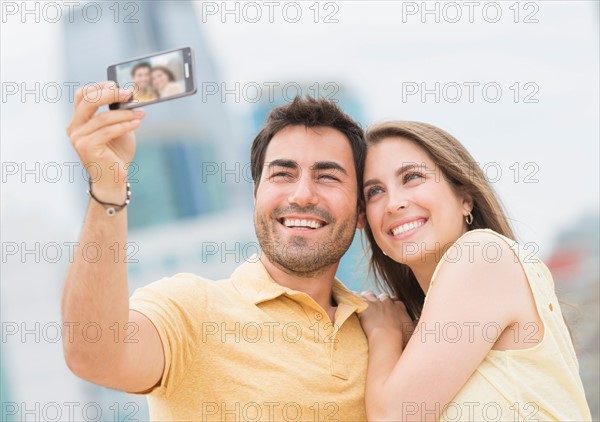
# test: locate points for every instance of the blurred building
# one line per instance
(575, 267)
(179, 140)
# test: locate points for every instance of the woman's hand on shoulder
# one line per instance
(386, 316)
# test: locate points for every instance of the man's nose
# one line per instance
(304, 192)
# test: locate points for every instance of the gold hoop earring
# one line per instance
(469, 219)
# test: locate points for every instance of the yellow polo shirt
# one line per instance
(247, 348)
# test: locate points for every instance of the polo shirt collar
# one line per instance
(253, 281)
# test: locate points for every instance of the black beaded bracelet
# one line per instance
(112, 208)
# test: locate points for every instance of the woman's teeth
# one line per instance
(406, 227)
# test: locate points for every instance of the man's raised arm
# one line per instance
(95, 301)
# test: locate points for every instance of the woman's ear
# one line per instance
(467, 203)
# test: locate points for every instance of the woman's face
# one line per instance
(159, 79)
(410, 206)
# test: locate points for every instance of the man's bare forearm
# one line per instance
(95, 302)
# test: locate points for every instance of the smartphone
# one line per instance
(154, 78)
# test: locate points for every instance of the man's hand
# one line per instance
(104, 141)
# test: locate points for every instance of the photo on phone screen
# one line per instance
(154, 78)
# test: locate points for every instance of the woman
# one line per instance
(489, 340)
(164, 83)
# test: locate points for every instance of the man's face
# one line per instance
(141, 77)
(306, 203)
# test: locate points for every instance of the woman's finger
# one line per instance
(384, 296)
(401, 305)
(369, 295)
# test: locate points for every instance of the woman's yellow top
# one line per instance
(541, 383)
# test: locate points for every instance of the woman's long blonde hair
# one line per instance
(465, 177)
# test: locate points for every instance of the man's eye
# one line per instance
(328, 177)
(281, 175)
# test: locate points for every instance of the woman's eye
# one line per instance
(372, 192)
(411, 176)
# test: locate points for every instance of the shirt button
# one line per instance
(318, 316)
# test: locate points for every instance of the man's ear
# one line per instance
(254, 194)
(361, 221)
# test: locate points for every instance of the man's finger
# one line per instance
(92, 100)
(90, 90)
(107, 133)
(108, 118)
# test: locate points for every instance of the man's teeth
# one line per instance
(313, 224)
(408, 226)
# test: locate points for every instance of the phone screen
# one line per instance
(155, 78)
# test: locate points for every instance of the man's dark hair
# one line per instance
(310, 113)
(139, 66)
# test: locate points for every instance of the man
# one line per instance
(141, 74)
(278, 340)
